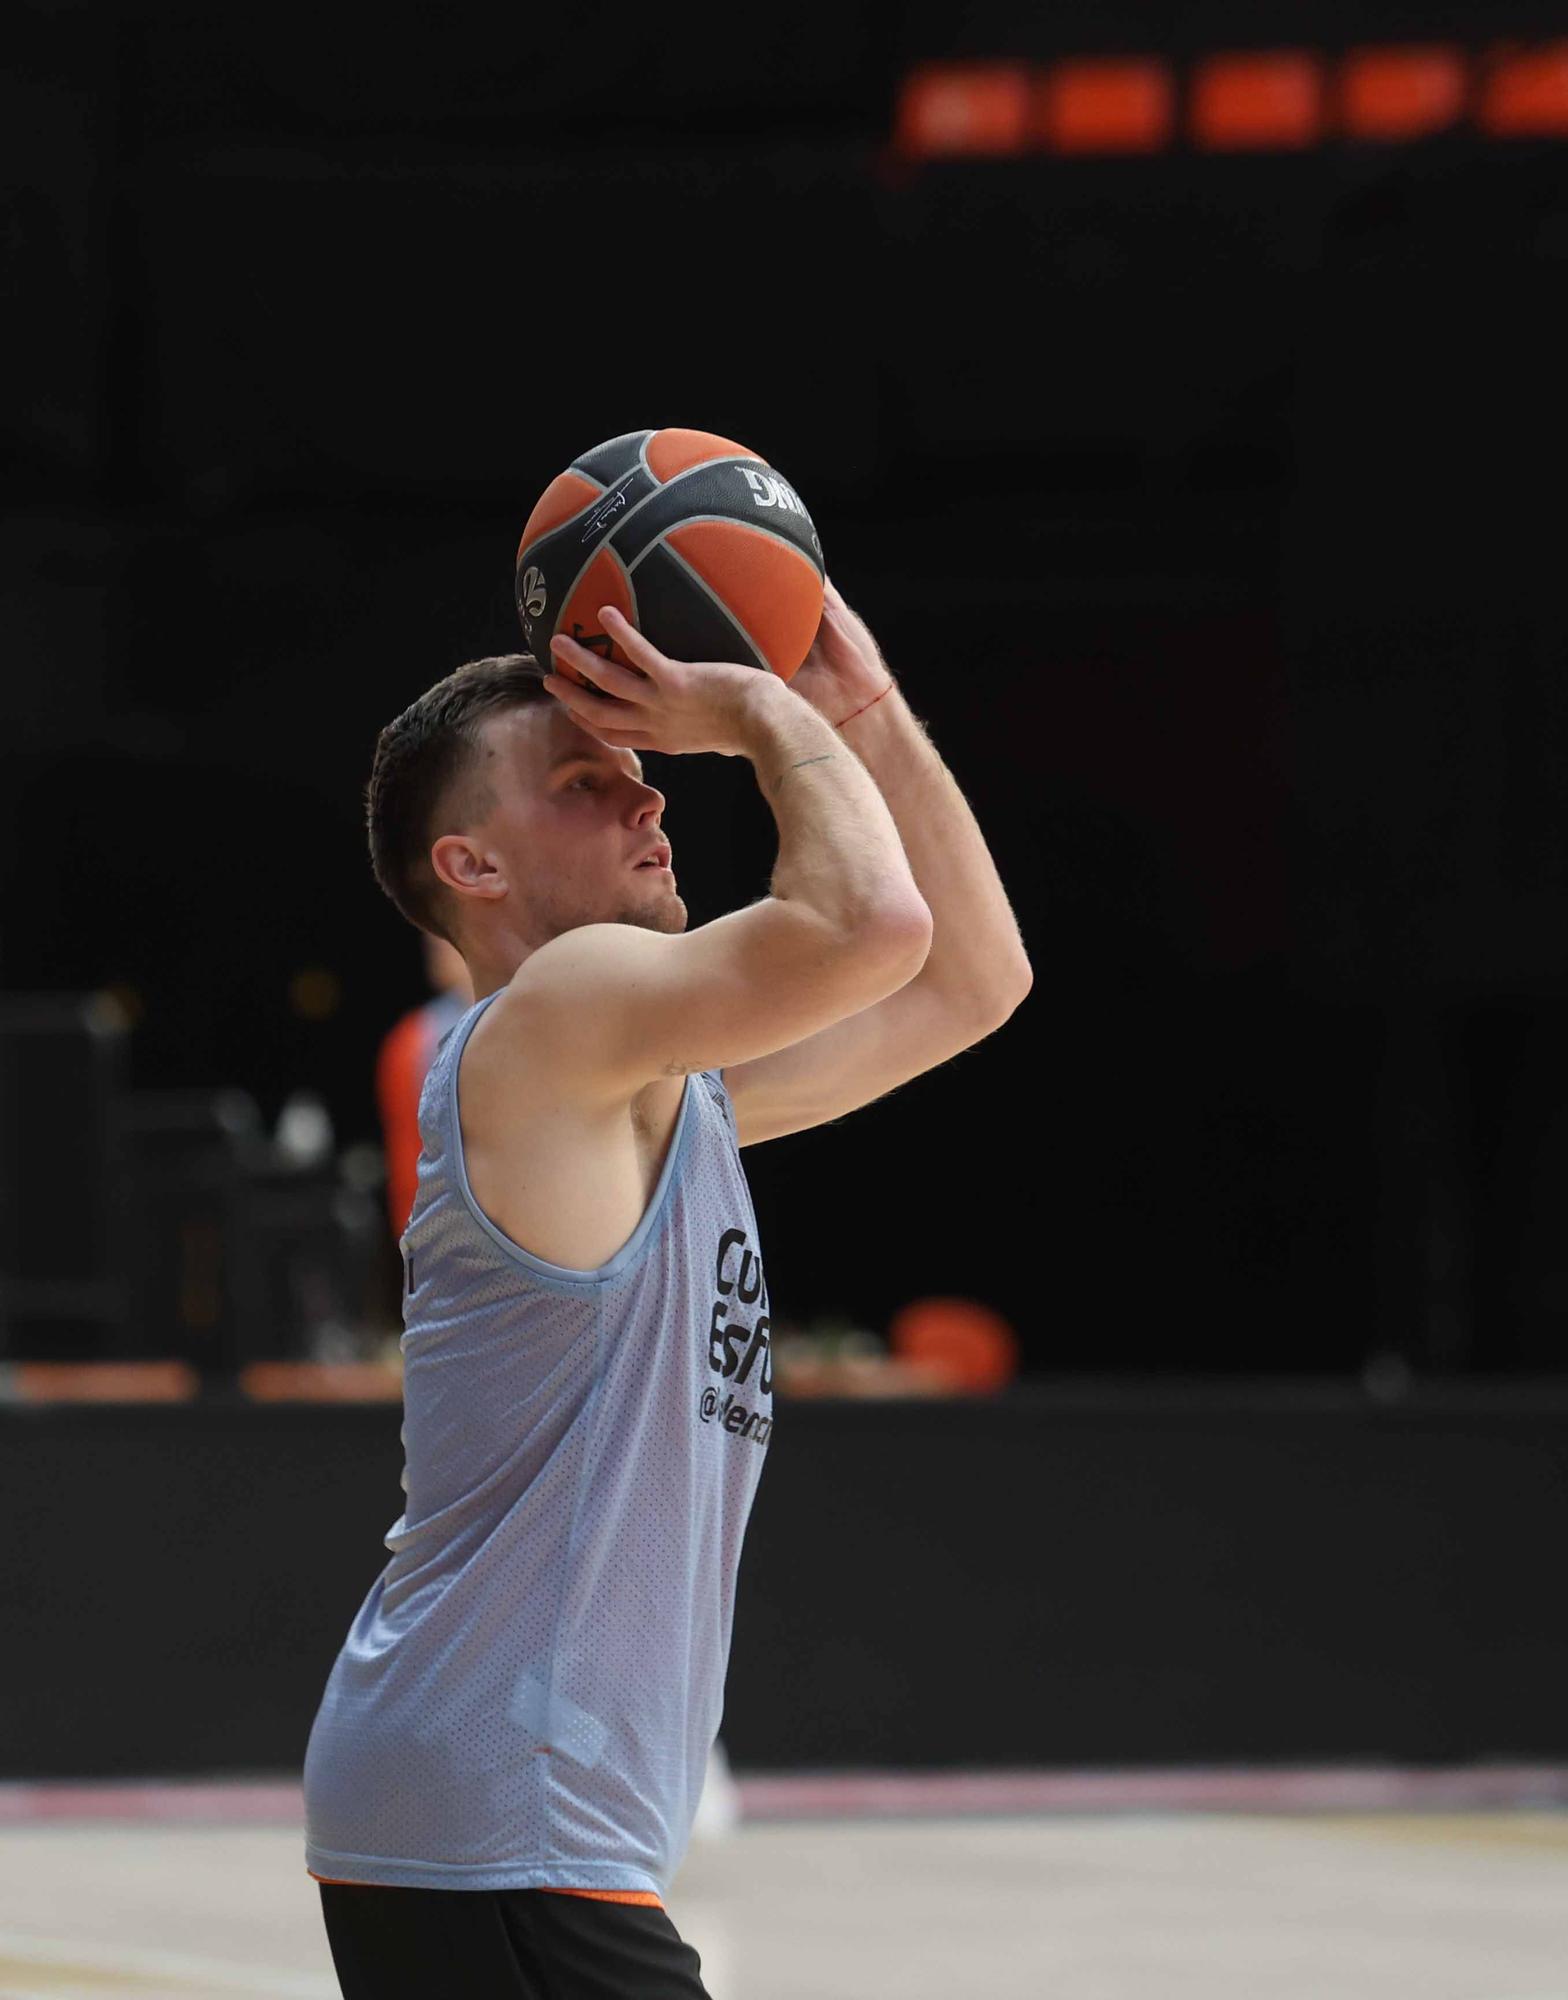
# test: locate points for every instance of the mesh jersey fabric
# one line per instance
(531, 1687)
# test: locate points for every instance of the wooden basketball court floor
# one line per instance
(834, 1893)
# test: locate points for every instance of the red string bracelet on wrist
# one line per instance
(864, 706)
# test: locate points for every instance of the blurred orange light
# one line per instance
(1524, 94)
(949, 110)
(1106, 105)
(1262, 100)
(1401, 93)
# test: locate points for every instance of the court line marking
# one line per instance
(888, 1793)
(1308, 1790)
(32, 1951)
(1441, 1828)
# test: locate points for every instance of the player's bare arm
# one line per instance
(608, 1008)
(976, 972)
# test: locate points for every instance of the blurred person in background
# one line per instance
(401, 1063)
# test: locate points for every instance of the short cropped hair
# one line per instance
(422, 758)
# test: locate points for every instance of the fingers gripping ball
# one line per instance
(696, 540)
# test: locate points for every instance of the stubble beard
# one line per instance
(666, 914)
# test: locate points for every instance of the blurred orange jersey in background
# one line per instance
(401, 1064)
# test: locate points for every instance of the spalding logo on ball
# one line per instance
(707, 551)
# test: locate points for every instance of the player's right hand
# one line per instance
(677, 706)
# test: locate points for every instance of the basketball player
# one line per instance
(501, 1777)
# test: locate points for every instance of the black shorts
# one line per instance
(513, 1944)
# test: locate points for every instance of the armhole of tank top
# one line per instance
(725, 1106)
(560, 1276)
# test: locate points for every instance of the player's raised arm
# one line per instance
(617, 1006)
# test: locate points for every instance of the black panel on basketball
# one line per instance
(713, 492)
(607, 461)
(692, 625)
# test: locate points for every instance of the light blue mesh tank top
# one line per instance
(529, 1693)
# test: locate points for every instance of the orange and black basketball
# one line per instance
(704, 547)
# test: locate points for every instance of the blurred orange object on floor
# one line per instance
(100, 1382)
(321, 1382)
(969, 1345)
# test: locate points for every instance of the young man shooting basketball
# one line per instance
(501, 1777)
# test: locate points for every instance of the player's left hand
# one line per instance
(844, 669)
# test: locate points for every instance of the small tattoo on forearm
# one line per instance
(770, 783)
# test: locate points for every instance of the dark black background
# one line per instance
(1208, 509)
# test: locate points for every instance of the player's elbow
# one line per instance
(900, 932)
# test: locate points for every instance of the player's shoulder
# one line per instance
(537, 1031)
(572, 955)
(565, 982)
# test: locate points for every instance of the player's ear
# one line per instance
(466, 867)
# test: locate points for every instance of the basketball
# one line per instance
(698, 541)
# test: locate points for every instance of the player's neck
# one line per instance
(491, 969)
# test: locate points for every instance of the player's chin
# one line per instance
(659, 913)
